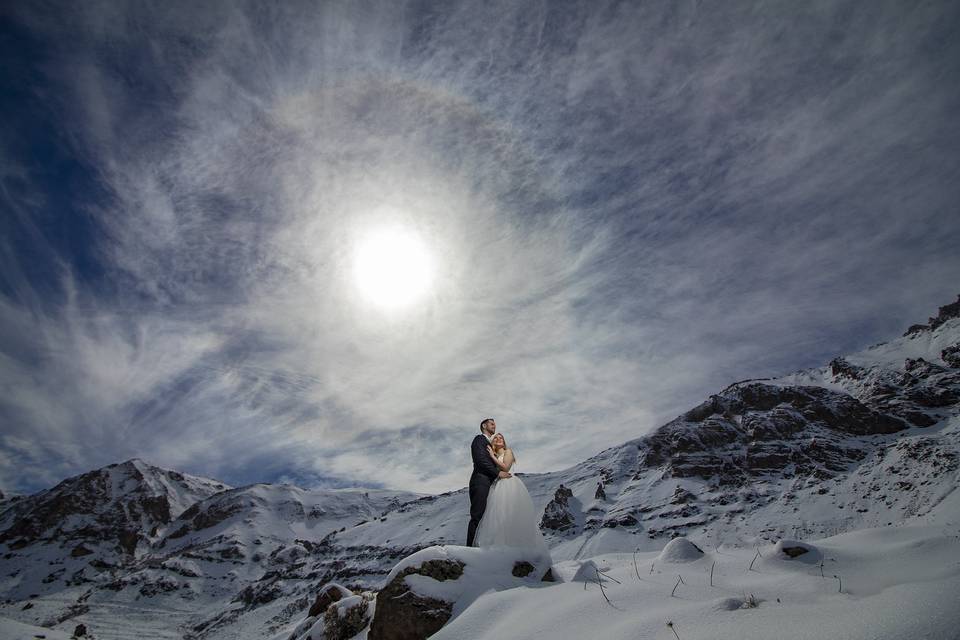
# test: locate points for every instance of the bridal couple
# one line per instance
(501, 511)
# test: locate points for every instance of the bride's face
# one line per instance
(498, 442)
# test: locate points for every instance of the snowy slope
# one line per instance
(897, 582)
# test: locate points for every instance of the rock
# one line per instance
(951, 355)
(330, 593)
(548, 576)
(79, 550)
(259, 593)
(793, 550)
(840, 368)
(600, 493)
(403, 614)
(922, 368)
(522, 569)
(624, 520)
(915, 328)
(346, 618)
(945, 313)
(80, 631)
(557, 514)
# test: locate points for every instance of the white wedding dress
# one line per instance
(510, 519)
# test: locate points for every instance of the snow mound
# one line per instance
(796, 551)
(680, 550)
(586, 572)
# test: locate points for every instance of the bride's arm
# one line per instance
(507, 460)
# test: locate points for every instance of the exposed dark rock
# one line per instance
(793, 552)
(402, 614)
(259, 593)
(945, 313)
(343, 627)
(839, 367)
(930, 396)
(919, 419)
(80, 631)
(548, 576)
(80, 550)
(600, 494)
(329, 594)
(752, 428)
(921, 368)
(522, 569)
(127, 541)
(915, 328)
(557, 515)
(951, 355)
(625, 520)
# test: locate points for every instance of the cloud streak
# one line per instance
(630, 206)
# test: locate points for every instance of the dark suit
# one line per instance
(485, 472)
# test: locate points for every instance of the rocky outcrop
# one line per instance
(347, 617)
(557, 515)
(752, 428)
(945, 313)
(951, 355)
(329, 594)
(402, 614)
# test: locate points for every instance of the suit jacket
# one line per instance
(483, 464)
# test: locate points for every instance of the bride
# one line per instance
(510, 518)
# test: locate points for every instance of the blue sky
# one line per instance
(627, 207)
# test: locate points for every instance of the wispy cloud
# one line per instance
(629, 207)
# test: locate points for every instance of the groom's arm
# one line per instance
(481, 458)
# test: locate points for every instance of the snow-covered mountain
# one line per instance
(871, 439)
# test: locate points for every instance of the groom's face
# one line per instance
(491, 427)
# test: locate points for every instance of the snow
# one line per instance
(897, 582)
(680, 551)
(13, 630)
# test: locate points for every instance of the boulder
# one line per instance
(347, 617)
(522, 569)
(403, 614)
(424, 591)
(330, 593)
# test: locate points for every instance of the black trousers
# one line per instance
(479, 488)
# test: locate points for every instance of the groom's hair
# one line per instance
(484, 423)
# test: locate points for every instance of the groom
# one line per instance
(485, 473)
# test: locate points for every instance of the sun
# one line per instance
(392, 267)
